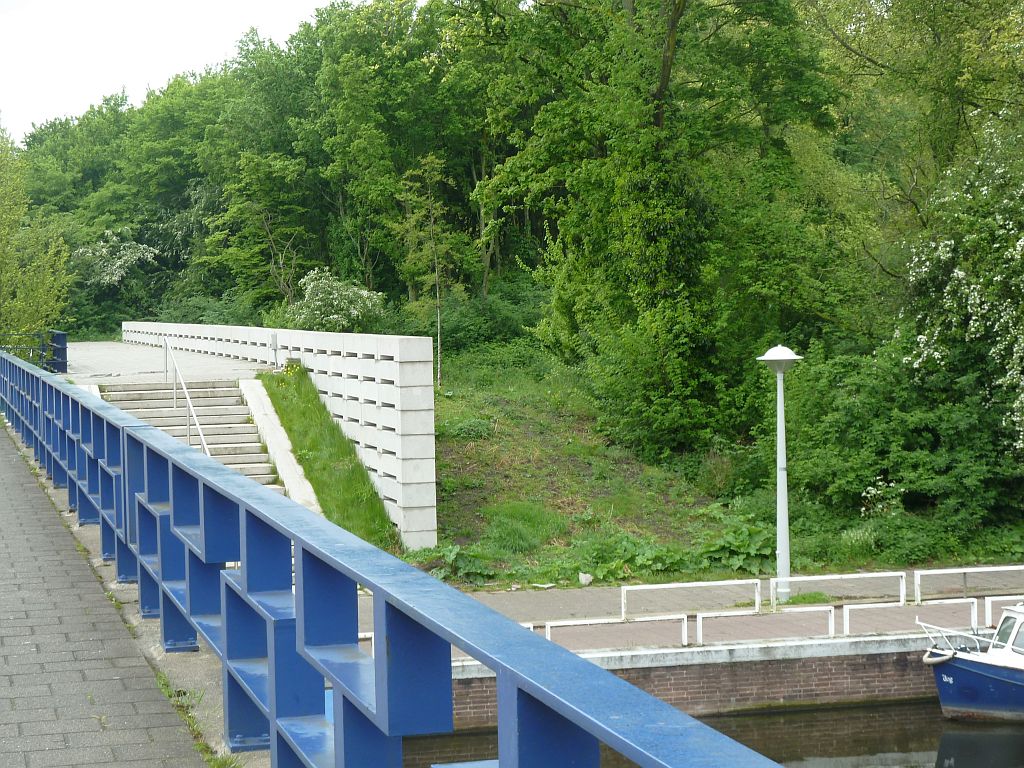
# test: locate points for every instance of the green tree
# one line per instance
(435, 255)
(33, 279)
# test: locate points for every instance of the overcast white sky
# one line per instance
(58, 57)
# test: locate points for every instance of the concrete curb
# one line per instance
(643, 658)
(278, 445)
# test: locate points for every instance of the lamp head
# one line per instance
(780, 359)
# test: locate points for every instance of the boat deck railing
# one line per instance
(955, 639)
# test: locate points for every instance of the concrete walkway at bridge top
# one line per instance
(111, 362)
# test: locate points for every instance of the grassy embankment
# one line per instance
(346, 495)
(529, 492)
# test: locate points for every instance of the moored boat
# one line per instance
(980, 675)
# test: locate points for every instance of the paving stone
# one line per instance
(21, 744)
(71, 757)
(65, 725)
(75, 689)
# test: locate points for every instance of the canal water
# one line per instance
(884, 736)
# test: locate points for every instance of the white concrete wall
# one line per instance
(378, 388)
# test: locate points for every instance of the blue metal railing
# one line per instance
(48, 349)
(272, 588)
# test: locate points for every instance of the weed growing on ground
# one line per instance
(185, 703)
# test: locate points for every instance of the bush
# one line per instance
(651, 392)
(468, 320)
(611, 554)
(745, 544)
(866, 434)
(329, 304)
(233, 307)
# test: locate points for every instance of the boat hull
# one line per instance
(971, 689)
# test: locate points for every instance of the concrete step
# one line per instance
(160, 395)
(234, 460)
(225, 453)
(264, 479)
(134, 406)
(251, 441)
(233, 419)
(225, 433)
(201, 410)
(159, 385)
(255, 470)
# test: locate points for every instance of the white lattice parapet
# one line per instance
(378, 388)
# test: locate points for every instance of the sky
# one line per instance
(59, 57)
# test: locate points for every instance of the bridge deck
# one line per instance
(74, 688)
(91, 362)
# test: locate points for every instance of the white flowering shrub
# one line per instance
(967, 278)
(882, 499)
(333, 305)
(111, 259)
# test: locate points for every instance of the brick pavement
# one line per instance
(74, 688)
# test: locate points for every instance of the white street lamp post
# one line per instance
(780, 359)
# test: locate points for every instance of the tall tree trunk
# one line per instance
(673, 14)
(437, 293)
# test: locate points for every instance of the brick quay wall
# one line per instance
(721, 680)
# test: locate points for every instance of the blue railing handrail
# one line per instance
(644, 729)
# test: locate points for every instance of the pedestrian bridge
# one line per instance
(273, 590)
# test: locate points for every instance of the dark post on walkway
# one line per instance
(273, 590)
(48, 349)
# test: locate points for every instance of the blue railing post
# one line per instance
(530, 734)
(58, 352)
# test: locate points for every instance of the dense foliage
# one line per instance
(33, 280)
(655, 190)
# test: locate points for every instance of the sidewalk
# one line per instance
(74, 688)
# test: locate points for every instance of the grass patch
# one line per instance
(185, 703)
(343, 488)
(811, 598)
(519, 527)
(528, 491)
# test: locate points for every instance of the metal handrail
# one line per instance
(942, 636)
(964, 572)
(190, 416)
(900, 576)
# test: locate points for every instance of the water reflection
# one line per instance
(889, 736)
(979, 746)
(906, 736)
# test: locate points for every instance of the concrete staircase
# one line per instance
(227, 426)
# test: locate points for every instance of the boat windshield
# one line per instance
(1004, 632)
